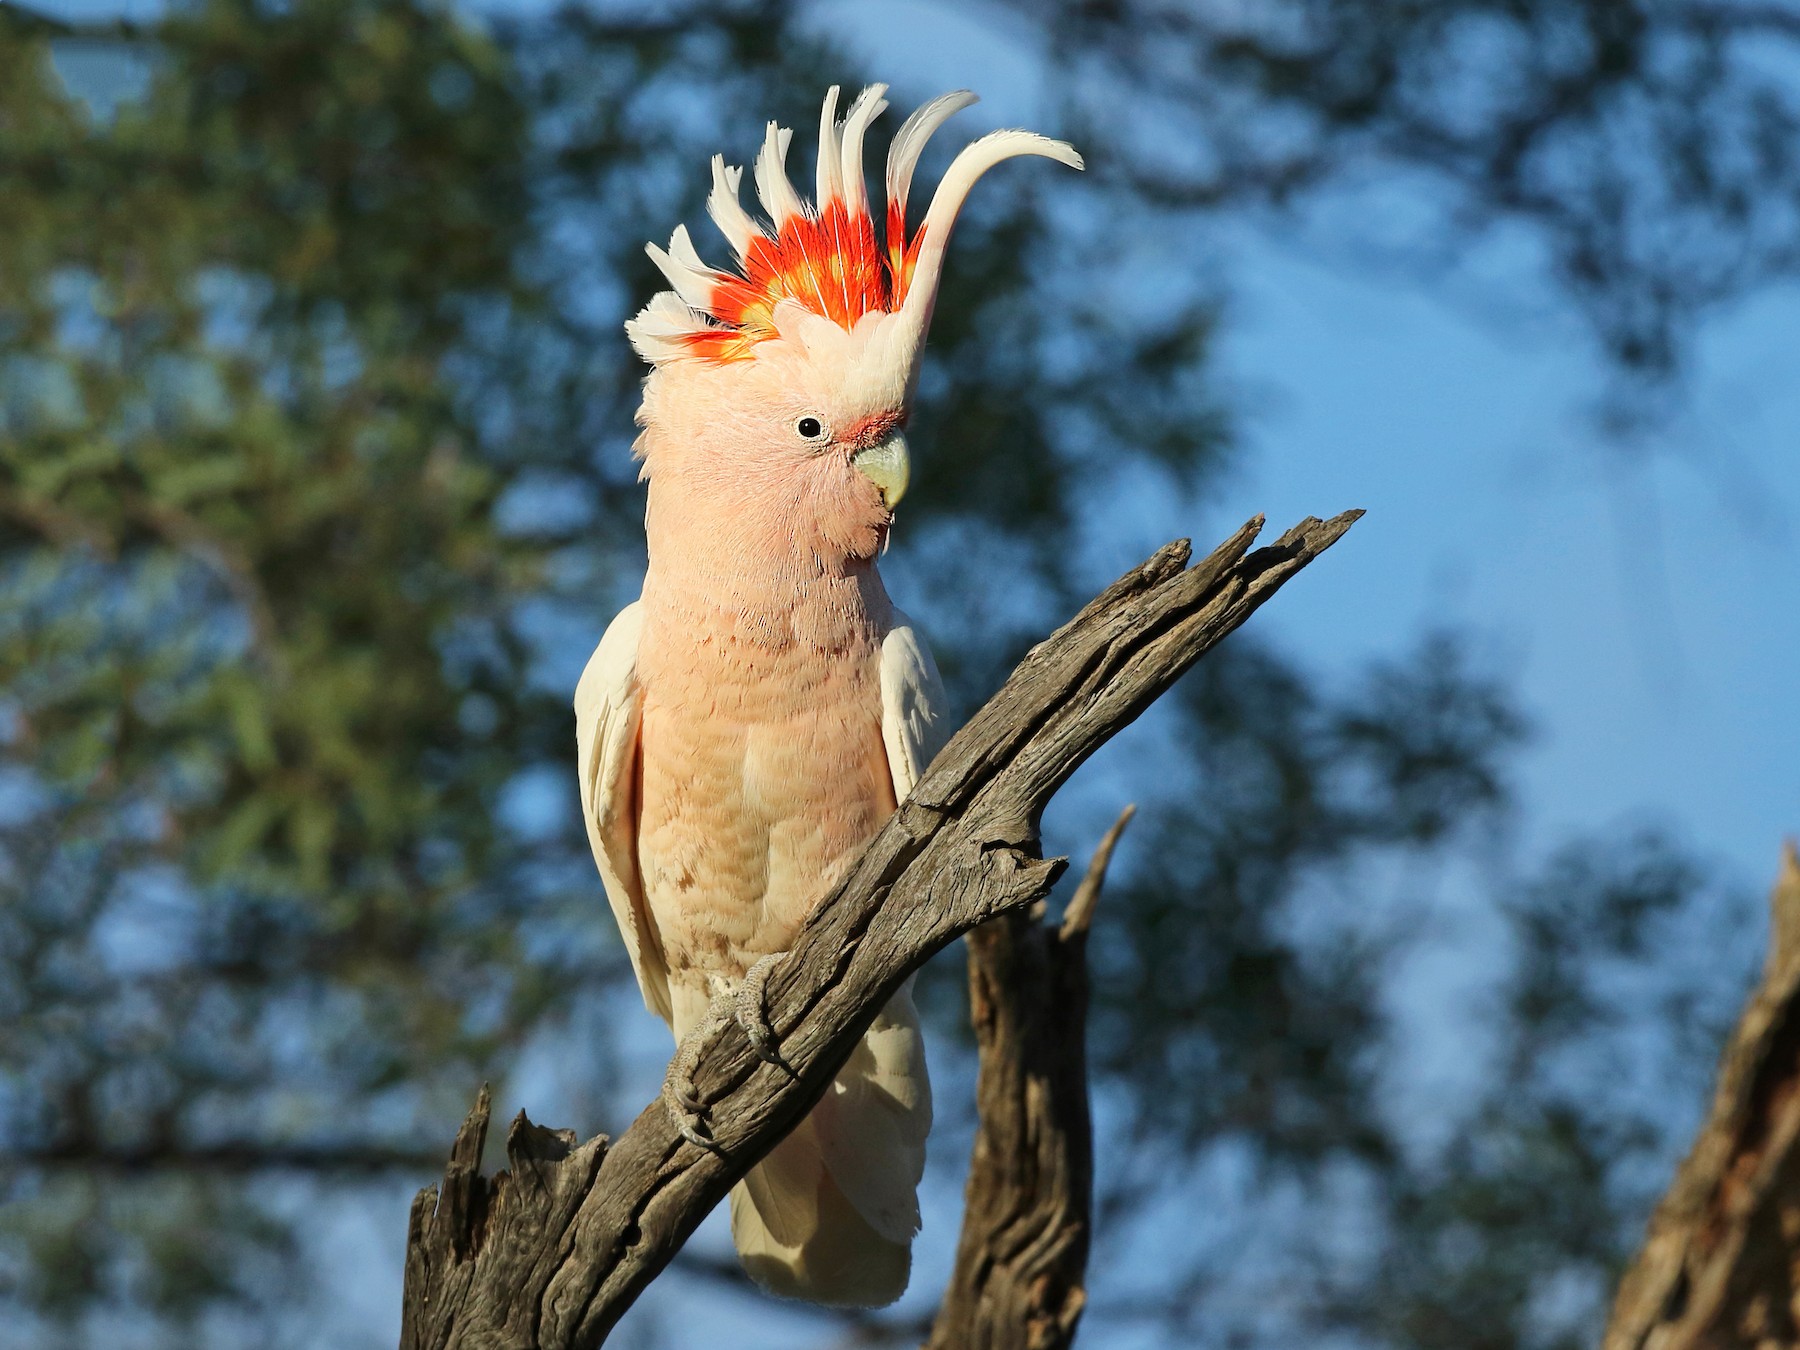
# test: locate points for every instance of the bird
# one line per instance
(750, 721)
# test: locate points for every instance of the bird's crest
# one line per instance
(824, 258)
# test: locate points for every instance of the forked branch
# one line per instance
(551, 1252)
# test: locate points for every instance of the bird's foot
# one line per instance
(743, 1002)
(749, 1007)
(680, 1096)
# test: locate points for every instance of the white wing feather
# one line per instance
(872, 1123)
(913, 723)
(608, 705)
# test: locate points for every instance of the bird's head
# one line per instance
(782, 387)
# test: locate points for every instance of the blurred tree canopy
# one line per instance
(315, 493)
(1651, 146)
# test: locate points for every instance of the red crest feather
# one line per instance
(825, 258)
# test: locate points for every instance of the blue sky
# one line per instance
(1645, 600)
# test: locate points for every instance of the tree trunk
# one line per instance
(1720, 1265)
(1020, 1281)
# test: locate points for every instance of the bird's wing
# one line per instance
(608, 707)
(914, 724)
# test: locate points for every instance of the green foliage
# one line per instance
(228, 426)
(250, 581)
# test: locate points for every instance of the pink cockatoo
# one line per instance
(749, 723)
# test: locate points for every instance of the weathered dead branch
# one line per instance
(550, 1252)
(1020, 1281)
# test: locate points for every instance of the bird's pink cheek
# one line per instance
(851, 514)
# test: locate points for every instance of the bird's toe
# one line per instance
(749, 1007)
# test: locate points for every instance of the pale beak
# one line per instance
(885, 464)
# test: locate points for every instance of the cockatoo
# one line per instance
(753, 718)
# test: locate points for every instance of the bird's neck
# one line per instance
(759, 575)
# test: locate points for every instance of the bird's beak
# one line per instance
(886, 465)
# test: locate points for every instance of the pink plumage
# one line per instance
(755, 716)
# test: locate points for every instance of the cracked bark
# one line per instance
(1020, 1281)
(1720, 1264)
(550, 1252)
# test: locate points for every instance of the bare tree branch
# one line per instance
(1020, 1281)
(1721, 1262)
(552, 1251)
(1079, 916)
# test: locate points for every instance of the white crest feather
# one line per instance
(692, 279)
(777, 194)
(727, 211)
(868, 106)
(829, 178)
(681, 248)
(658, 331)
(946, 203)
(980, 156)
(909, 142)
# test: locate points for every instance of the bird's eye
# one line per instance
(810, 428)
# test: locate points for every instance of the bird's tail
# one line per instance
(830, 1215)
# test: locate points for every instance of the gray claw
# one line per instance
(685, 1111)
(749, 1007)
(679, 1097)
